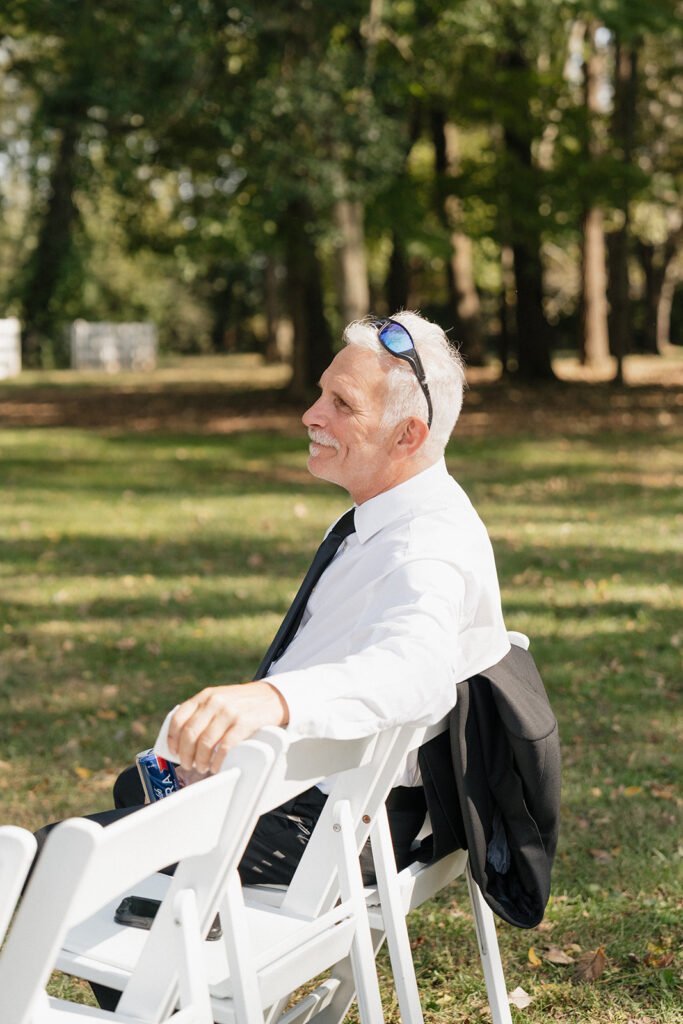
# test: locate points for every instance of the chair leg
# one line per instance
(245, 991)
(351, 887)
(194, 985)
(394, 919)
(336, 1008)
(490, 954)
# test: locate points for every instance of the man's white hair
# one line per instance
(444, 371)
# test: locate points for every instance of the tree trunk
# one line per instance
(594, 333)
(533, 330)
(666, 300)
(351, 270)
(464, 298)
(508, 304)
(312, 341)
(49, 261)
(594, 340)
(659, 270)
(272, 304)
(653, 272)
(398, 277)
(623, 127)
(222, 308)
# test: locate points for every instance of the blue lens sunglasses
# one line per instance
(397, 340)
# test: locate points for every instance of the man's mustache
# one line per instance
(320, 437)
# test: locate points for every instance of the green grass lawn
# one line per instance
(136, 568)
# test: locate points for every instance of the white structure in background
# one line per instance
(10, 347)
(113, 347)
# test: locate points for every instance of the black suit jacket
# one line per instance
(492, 784)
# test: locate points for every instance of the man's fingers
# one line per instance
(189, 735)
(182, 715)
(219, 722)
(196, 728)
(231, 737)
(205, 727)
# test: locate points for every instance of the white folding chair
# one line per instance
(389, 903)
(85, 870)
(17, 850)
(322, 916)
(266, 952)
(397, 893)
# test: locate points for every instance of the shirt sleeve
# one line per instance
(399, 665)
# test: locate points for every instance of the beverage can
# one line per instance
(158, 776)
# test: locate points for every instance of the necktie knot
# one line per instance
(344, 527)
(292, 620)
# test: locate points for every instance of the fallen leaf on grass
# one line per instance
(662, 792)
(602, 856)
(126, 643)
(417, 942)
(633, 790)
(519, 998)
(591, 965)
(545, 926)
(658, 961)
(534, 960)
(555, 955)
(83, 773)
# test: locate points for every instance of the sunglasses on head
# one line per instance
(397, 340)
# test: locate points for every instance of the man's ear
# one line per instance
(409, 437)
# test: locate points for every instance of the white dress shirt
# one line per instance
(409, 607)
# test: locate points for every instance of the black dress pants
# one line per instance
(277, 842)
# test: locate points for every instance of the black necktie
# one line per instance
(292, 619)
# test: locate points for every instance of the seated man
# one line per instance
(407, 607)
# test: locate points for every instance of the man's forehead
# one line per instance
(355, 367)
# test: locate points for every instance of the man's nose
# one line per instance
(314, 415)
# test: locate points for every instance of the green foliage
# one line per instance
(185, 146)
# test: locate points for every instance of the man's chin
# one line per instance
(321, 466)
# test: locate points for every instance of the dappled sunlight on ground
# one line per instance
(236, 394)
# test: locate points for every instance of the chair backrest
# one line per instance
(17, 850)
(363, 773)
(83, 867)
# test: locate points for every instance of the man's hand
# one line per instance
(208, 725)
(188, 776)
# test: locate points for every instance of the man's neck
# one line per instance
(403, 471)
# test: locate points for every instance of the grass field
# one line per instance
(138, 565)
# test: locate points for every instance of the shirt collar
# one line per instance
(405, 500)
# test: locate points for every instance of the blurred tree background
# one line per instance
(250, 176)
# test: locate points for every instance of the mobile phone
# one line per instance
(139, 912)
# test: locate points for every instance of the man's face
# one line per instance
(347, 447)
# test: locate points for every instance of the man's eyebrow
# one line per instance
(347, 392)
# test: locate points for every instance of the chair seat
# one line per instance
(100, 940)
(285, 947)
(418, 882)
